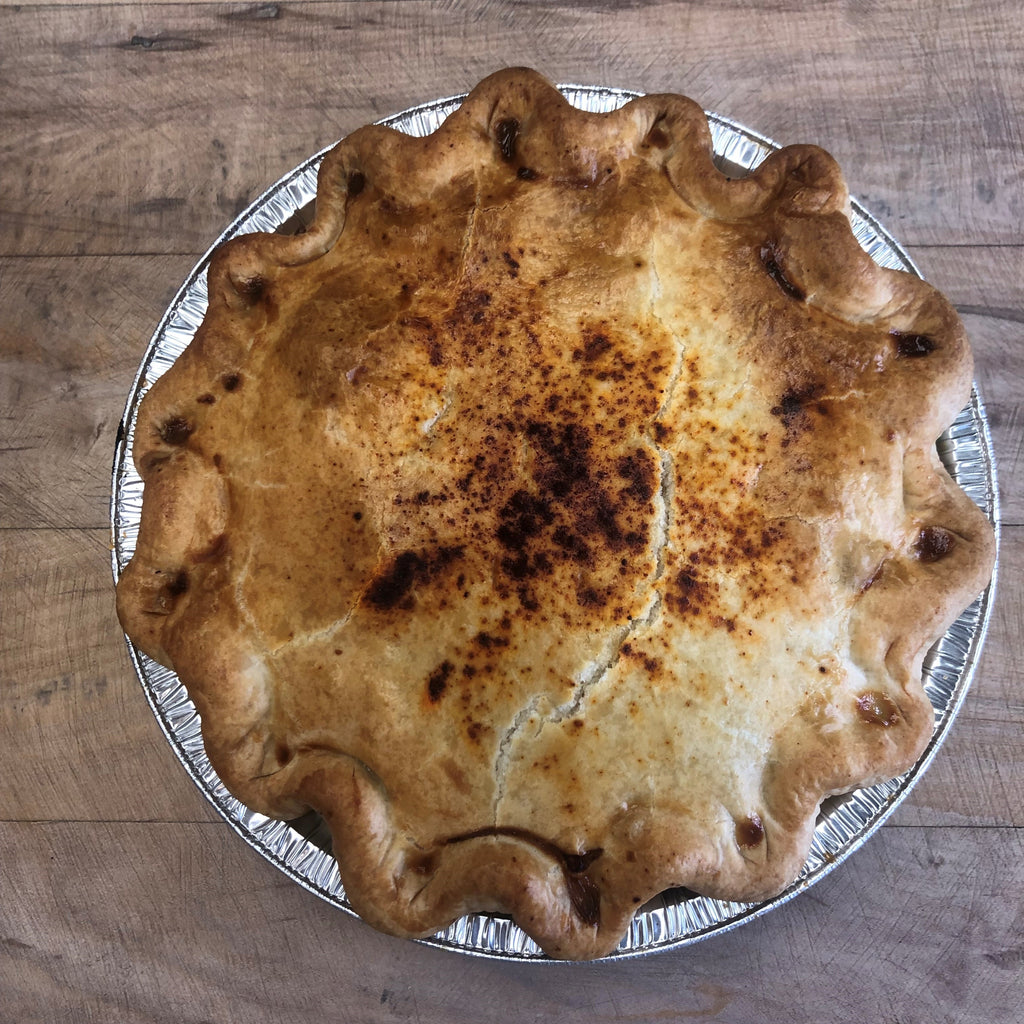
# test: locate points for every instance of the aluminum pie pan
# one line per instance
(677, 918)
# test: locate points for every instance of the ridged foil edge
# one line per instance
(301, 849)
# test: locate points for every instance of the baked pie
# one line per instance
(557, 517)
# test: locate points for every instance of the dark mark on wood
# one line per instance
(162, 204)
(170, 44)
(258, 12)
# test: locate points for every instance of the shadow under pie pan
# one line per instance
(302, 848)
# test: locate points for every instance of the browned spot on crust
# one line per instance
(422, 863)
(873, 578)
(657, 137)
(564, 460)
(689, 594)
(522, 517)
(506, 132)
(573, 509)
(251, 288)
(585, 897)
(912, 346)
(177, 584)
(595, 345)
(487, 641)
(356, 183)
(426, 334)
(176, 430)
(395, 582)
(164, 599)
(639, 471)
(393, 585)
(472, 307)
(876, 708)
(650, 664)
(794, 403)
(933, 543)
(749, 832)
(437, 682)
(771, 260)
(216, 549)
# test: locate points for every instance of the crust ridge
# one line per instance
(553, 494)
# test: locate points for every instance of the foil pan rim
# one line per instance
(301, 849)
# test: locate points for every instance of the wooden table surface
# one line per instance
(130, 134)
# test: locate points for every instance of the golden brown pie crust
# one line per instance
(559, 518)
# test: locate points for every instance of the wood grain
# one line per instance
(71, 339)
(182, 112)
(130, 135)
(79, 740)
(246, 944)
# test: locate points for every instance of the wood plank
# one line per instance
(224, 98)
(72, 337)
(130, 134)
(166, 923)
(997, 346)
(985, 282)
(77, 735)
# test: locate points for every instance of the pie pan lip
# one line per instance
(301, 849)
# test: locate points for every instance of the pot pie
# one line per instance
(557, 517)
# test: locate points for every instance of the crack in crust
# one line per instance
(553, 494)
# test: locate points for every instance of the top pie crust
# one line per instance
(559, 518)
